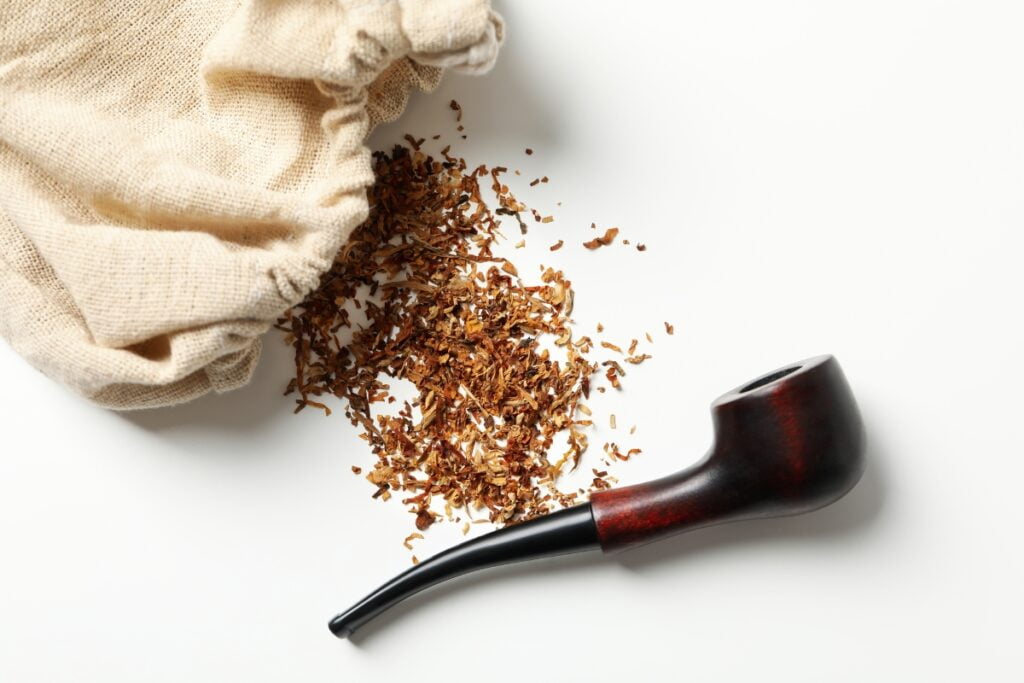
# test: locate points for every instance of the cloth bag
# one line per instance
(174, 174)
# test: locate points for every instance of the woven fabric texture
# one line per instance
(174, 174)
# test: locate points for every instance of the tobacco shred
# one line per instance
(604, 240)
(443, 313)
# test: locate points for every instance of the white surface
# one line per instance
(810, 178)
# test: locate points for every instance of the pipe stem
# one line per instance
(559, 533)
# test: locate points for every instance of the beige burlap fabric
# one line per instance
(176, 173)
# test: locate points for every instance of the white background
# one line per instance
(810, 177)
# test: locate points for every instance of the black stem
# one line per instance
(560, 533)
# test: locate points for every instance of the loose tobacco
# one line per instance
(443, 312)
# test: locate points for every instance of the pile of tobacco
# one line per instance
(497, 417)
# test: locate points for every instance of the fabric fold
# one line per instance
(178, 174)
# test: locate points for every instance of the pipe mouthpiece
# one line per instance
(566, 531)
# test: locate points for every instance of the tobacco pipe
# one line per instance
(788, 442)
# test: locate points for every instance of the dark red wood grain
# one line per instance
(783, 445)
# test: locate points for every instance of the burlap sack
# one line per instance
(174, 174)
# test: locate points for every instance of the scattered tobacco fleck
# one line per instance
(612, 451)
(424, 518)
(414, 142)
(669, 328)
(529, 151)
(641, 247)
(411, 537)
(457, 108)
(357, 470)
(557, 245)
(604, 240)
